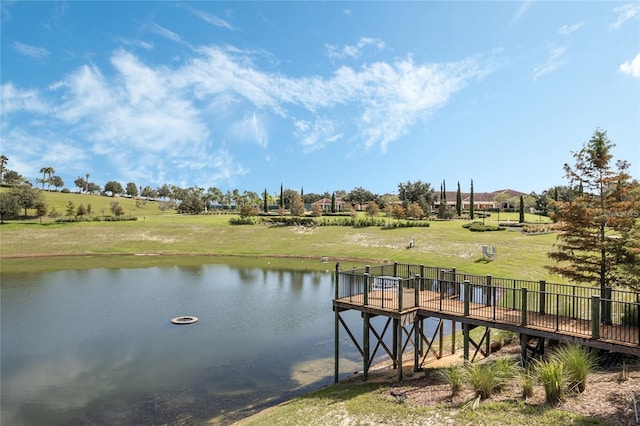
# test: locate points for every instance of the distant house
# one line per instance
(325, 204)
(481, 200)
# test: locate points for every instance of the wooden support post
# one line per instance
(365, 346)
(336, 328)
(453, 337)
(523, 321)
(595, 317)
(395, 269)
(396, 324)
(336, 346)
(399, 349)
(441, 340)
(523, 349)
(487, 348)
(465, 332)
(417, 343)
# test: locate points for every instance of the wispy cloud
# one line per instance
(14, 99)
(187, 118)
(568, 29)
(353, 51)
(625, 13)
(632, 67)
(522, 10)
(212, 19)
(554, 61)
(35, 52)
(166, 33)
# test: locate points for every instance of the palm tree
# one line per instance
(3, 162)
(44, 173)
(49, 171)
(86, 188)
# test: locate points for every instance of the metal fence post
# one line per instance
(467, 296)
(489, 292)
(595, 317)
(524, 307)
(366, 289)
(543, 297)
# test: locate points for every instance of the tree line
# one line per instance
(598, 212)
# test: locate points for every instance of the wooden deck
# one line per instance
(617, 338)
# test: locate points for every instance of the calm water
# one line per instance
(98, 347)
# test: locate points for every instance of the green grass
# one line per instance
(172, 236)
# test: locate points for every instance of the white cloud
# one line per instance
(15, 100)
(212, 19)
(353, 51)
(625, 13)
(31, 51)
(145, 120)
(632, 67)
(316, 134)
(164, 32)
(568, 29)
(555, 60)
(522, 10)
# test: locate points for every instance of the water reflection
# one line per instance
(97, 346)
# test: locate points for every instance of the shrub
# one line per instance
(578, 363)
(487, 379)
(479, 227)
(242, 221)
(527, 380)
(551, 375)
(454, 376)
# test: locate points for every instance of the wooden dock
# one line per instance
(406, 295)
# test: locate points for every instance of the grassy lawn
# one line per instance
(169, 238)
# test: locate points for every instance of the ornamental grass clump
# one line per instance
(454, 376)
(551, 374)
(489, 378)
(578, 363)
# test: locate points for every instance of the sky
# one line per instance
(317, 96)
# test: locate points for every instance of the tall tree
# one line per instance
(26, 196)
(296, 205)
(131, 189)
(459, 201)
(416, 192)
(113, 187)
(599, 226)
(265, 201)
(521, 216)
(472, 207)
(3, 162)
(333, 202)
(281, 202)
(9, 206)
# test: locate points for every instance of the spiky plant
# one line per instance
(578, 363)
(454, 376)
(551, 374)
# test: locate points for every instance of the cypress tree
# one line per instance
(521, 209)
(265, 203)
(458, 201)
(333, 202)
(471, 206)
(281, 197)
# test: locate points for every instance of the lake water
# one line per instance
(98, 347)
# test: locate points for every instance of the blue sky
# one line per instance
(321, 96)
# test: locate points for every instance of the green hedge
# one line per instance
(479, 227)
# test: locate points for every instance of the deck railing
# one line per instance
(559, 308)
